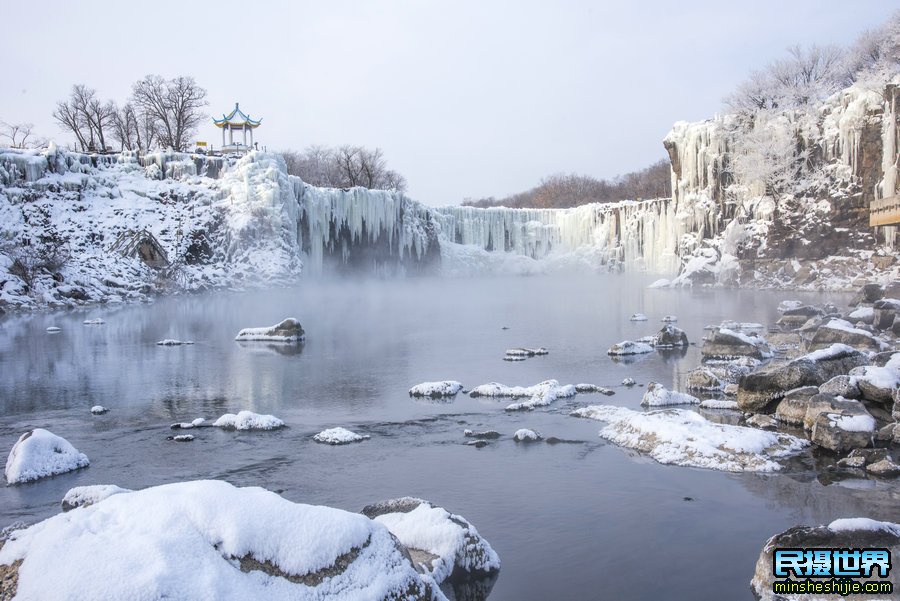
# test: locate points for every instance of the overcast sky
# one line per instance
(466, 98)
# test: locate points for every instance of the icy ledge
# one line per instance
(211, 540)
(39, 454)
(683, 437)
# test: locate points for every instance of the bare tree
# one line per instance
(20, 135)
(86, 116)
(174, 105)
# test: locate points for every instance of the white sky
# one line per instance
(466, 98)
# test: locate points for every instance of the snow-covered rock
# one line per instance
(174, 342)
(629, 347)
(54, 329)
(436, 389)
(526, 435)
(288, 330)
(99, 410)
(846, 533)
(638, 317)
(197, 423)
(83, 496)
(670, 337)
(209, 539)
(489, 434)
(722, 343)
(526, 352)
(669, 319)
(335, 436)
(839, 331)
(718, 404)
(656, 395)
(584, 387)
(93, 322)
(703, 379)
(758, 389)
(628, 382)
(247, 420)
(539, 395)
(39, 454)
(683, 437)
(443, 544)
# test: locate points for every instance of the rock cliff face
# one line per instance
(788, 193)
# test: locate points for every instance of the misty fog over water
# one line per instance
(569, 521)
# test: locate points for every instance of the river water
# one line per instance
(569, 521)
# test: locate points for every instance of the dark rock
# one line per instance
(872, 292)
(487, 434)
(886, 311)
(670, 336)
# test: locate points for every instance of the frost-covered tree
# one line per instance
(805, 76)
(874, 59)
(174, 105)
(344, 167)
(767, 158)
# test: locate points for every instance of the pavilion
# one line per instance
(237, 121)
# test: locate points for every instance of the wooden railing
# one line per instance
(884, 211)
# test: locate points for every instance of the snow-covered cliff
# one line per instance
(785, 194)
(65, 218)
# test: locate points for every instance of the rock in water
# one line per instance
(670, 337)
(288, 330)
(629, 347)
(657, 396)
(39, 454)
(838, 331)
(443, 388)
(209, 539)
(758, 389)
(526, 435)
(336, 436)
(721, 343)
(445, 545)
(247, 420)
(852, 533)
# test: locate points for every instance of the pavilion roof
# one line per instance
(236, 118)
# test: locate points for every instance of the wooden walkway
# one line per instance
(884, 211)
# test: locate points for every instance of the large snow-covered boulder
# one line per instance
(843, 431)
(758, 389)
(722, 343)
(848, 533)
(289, 330)
(39, 454)
(878, 383)
(442, 544)
(684, 437)
(211, 540)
